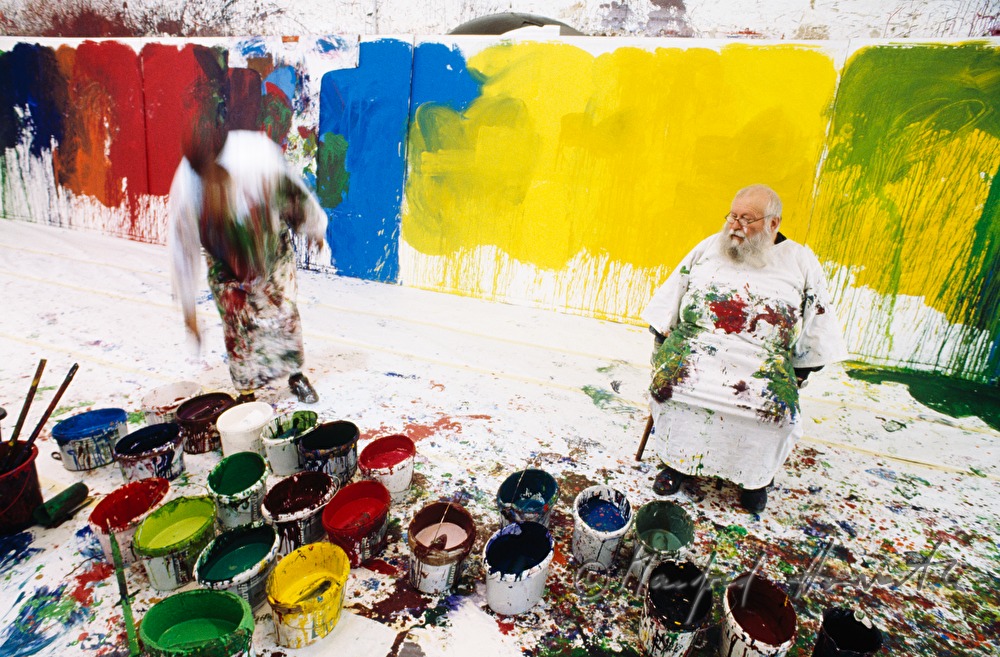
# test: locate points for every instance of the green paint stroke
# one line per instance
(951, 396)
(914, 145)
(332, 177)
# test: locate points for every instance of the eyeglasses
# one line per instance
(743, 221)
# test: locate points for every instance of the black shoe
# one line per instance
(754, 500)
(302, 388)
(668, 481)
(246, 397)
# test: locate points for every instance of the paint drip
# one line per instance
(197, 417)
(333, 448)
(87, 440)
(306, 593)
(294, 506)
(440, 537)
(198, 623)
(357, 519)
(239, 561)
(517, 559)
(121, 512)
(156, 450)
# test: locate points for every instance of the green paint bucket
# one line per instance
(238, 484)
(199, 623)
(239, 561)
(169, 540)
(663, 530)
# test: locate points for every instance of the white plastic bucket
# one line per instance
(241, 425)
(517, 559)
(601, 517)
(440, 537)
(160, 404)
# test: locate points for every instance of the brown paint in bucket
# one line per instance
(758, 618)
(197, 417)
(440, 537)
(294, 507)
(20, 492)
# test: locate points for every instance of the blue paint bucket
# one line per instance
(153, 451)
(87, 441)
(527, 496)
(517, 560)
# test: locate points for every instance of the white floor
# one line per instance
(486, 390)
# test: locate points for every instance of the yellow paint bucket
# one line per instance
(306, 593)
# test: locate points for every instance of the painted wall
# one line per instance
(560, 172)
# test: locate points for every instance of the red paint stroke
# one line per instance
(84, 593)
(416, 431)
(740, 387)
(382, 567)
(730, 314)
(505, 626)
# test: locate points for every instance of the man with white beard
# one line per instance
(739, 325)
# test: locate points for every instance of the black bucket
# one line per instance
(846, 634)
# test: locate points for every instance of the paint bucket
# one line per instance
(160, 404)
(527, 496)
(197, 417)
(122, 510)
(306, 593)
(601, 516)
(389, 460)
(156, 450)
(87, 441)
(294, 506)
(198, 622)
(440, 537)
(280, 439)
(170, 539)
(357, 518)
(238, 483)
(847, 633)
(333, 448)
(239, 561)
(677, 606)
(758, 618)
(20, 492)
(240, 427)
(517, 559)
(663, 529)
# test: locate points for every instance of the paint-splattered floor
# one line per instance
(485, 390)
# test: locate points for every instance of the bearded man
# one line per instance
(739, 325)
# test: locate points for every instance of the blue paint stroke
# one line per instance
(440, 76)
(88, 544)
(331, 44)
(253, 47)
(368, 106)
(41, 619)
(284, 78)
(33, 98)
(14, 550)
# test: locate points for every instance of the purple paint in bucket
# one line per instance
(294, 506)
(440, 537)
(333, 448)
(20, 492)
(517, 559)
(676, 608)
(197, 417)
(846, 633)
(153, 451)
(759, 619)
(87, 440)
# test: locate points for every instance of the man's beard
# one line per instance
(754, 251)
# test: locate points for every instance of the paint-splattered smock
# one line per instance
(267, 201)
(724, 395)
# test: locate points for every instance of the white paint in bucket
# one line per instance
(516, 567)
(160, 404)
(767, 609)
(592, 541)
(440, 538)
(240, 427)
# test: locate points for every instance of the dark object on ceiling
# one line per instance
(503, 23)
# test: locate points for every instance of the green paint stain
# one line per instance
(62, 410)
(600, 396)
(332, 177)
(136, 417)
(951, 396)
(736, 530)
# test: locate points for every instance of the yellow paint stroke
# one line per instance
(632, 156)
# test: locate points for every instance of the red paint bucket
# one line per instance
(122, 510)
(197, 417)
(389, 460)
(20, 493)
(357, 518)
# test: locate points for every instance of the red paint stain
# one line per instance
(244, 99)
(505, 626)
(84, 593)
(739, 387)
(730, 314)
(416, 431)
(382, 567)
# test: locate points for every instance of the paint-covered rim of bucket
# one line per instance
(670, 585)
(150, 439)
(245, 417)
(88, 423)
(335, 435)
(762, 590)
(111, 515)
(25, 462)
(256, 544)
(647, 519)
(237, 475)
(396, 442)
(619, 499)
(435, 513)
(301, 505)
(533, 562)
(506, 499)
(163, 627)
(289, 426)
(324, 565)
(201, 509)
(204, 408)
(369, 488)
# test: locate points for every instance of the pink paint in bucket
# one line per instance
(440, 537)
(759, 620)
(389, 460)
(357, 518)
(197, 417)
(240, 427)
(20, 492)
(294, 506)
(517, 562)
(160, 404)
(677, 607)
(123, 510)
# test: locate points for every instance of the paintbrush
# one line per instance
(27, 403)
(116, 556)
(14, 457)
